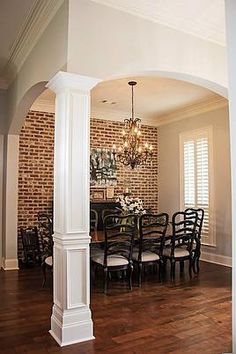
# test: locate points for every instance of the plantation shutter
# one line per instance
(195, 177)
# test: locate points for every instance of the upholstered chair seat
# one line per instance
(112, 260)
(178, 252)
(49, 261)
(146, 256)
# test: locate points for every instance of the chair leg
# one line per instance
(194, 265)
(164, 262)
(160, 271)
(106, 277)
(130, 276)
(44, 274)
(172, 270)
(181, 267)
(140, 267)
(197, 262)
(190, 267)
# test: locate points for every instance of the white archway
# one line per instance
(62, 83)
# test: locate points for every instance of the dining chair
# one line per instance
(45, 229)
(180, 248)
(152, 230)
(30, 242)
(94, 223)
(197, 239)
(119, 238)
(106, 212)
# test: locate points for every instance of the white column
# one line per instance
(10, 202)
(71, 316)
(231, 48)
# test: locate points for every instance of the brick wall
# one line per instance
(35, 168)
(143, 181)
(36, 165)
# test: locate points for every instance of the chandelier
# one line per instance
(132, 153)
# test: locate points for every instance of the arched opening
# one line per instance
(104, 125)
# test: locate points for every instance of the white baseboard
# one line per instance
(10, 264)
(216, 258)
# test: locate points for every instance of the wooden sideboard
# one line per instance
(99, 206)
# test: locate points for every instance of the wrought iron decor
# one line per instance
(132, 153)
(102, 168)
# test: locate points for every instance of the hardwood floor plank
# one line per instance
(188, 316)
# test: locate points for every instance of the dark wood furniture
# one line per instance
(180, 248)
(45, 228)
(106, 212)
(93, 224)
(152, 230)
(99, 206)
(31, 248)
(197, 239)
(117, 253)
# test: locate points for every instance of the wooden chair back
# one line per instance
(200, 217)
(184, 228)
(119, 235)
(45, 228)
(30, 241)
(152, 231)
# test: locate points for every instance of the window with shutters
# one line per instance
(196, 176)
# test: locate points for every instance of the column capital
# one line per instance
(64, 81)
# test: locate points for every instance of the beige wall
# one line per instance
(169, 174)
(105, 42)
(10, 190)
(47, 57)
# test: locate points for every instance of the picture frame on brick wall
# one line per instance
(110, 192)
(97, 194)
(103, 169)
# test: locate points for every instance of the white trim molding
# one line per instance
(10, 264)
(193, 135)
(71, 320)
(38, 18)
(203, 106)
(216, 259)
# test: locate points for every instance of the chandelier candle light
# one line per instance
(132, 153)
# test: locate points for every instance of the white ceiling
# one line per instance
(153, 97)
(202, 18)
(12, 16)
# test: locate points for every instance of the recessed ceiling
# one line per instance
(12, 16)
(202, 18)
(153, 97)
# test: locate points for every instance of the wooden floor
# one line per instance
(190, 316)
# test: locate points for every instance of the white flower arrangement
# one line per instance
(131, 205)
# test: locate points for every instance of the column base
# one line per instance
(10, 264)
(71, 327)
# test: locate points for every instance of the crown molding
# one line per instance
(203, 106)
(212, 103)
(36, 21)
(118, 116)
